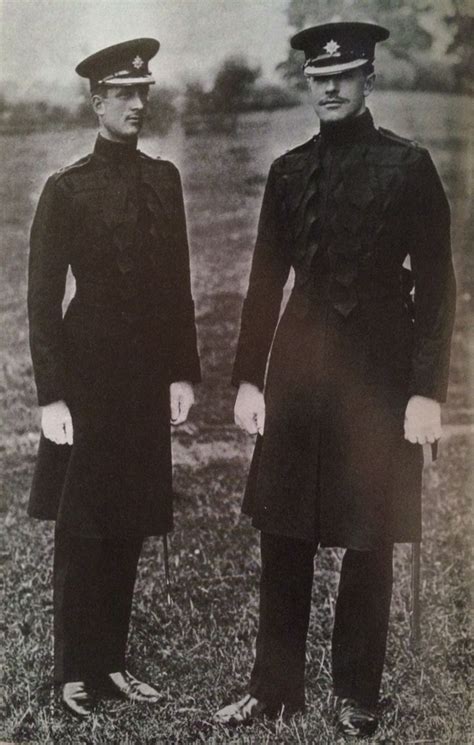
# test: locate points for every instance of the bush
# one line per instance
(235, 90)
(162, 110)
(270, 97)
(24, 116)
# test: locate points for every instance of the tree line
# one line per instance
(237, 87)
(430, 48)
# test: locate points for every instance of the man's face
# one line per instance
(121, 111)
(341, 96)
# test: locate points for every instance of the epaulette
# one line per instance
(295, 158)
(77, 178)
(143, 155)
(156, 159)
(73, 166)
(389, 135)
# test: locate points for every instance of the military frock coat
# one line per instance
(344, 211)
(116, 218)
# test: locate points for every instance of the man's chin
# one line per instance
(134, 129)
(333, 115)
(131, 130)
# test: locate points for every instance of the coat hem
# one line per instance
(130, 536)
(335, 542)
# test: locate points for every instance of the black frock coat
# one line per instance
(345, 210)
(116, 218)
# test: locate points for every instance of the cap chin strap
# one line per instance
(319, 71)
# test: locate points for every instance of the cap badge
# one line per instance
(137, 62)
(332, 48)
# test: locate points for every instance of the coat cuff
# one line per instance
(48, 396)
(189, 370)
(437, 392)
(242, 373)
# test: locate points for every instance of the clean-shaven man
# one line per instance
(111, 374)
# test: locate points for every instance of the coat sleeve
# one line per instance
(47, 271)
(269, 272)
(184, 363)
(435, 286)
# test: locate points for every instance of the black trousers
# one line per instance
(360, 625)
(93, 591)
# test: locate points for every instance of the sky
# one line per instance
(43, 40)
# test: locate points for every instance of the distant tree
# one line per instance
(270, 97)
(461, 20)
(197, 101)
(233, 91)
(162, 110)
(25, 116)
(233, 88)
(84, 115)
(236, 89)
(233, 85)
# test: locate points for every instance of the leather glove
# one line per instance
(56, 423)
(181, 400)
(422, 420)
(249, 409)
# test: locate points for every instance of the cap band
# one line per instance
(124, 78)
(310, 70)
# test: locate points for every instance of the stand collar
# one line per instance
(115, 152)
(348, 131)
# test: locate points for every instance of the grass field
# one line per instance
(198, 652)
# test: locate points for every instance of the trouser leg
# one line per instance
(93, 590)
(361, 624)
(285, 601)
(117, 580)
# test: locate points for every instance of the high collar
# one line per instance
(115, 152)
(348, 131)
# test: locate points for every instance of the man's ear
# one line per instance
(97, 104)
(369, 84)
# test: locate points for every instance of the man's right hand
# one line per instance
(56, 423)
(249, 409)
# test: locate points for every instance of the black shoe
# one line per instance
(78, 699)
(126, 686)
(353, 719)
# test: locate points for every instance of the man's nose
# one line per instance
(137, 102)
(332, 84)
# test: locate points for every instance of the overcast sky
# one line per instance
(43, 40)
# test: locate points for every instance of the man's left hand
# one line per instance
(181, 400)
(422, 420)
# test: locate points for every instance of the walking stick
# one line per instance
(415, 597)
(415, 636)
(167, 569)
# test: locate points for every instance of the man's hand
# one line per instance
(422, 420)
(249, 409)
(56, 423)
(181, 400)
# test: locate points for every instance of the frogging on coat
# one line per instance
(117, 219)
(344, 210)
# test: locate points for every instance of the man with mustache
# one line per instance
(357, 372)
(111, 374)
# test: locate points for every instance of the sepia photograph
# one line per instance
(237, 410)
